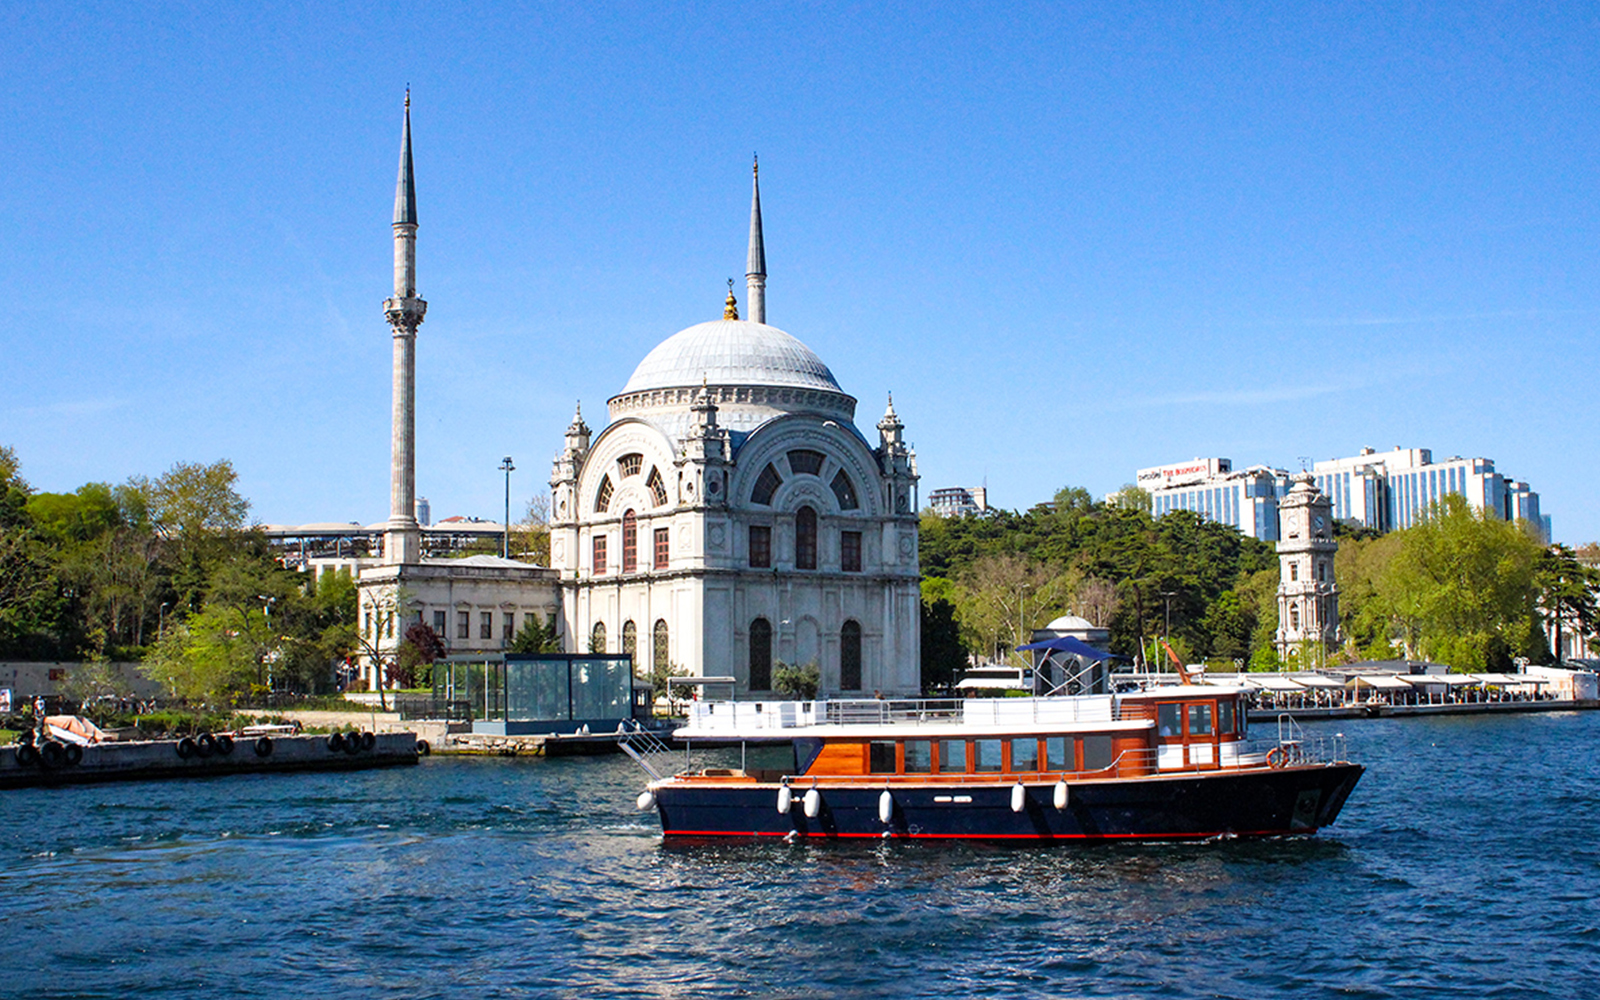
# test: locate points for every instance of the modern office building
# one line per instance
(1390, 490)
(1384, 491)
(955, 501)
(1246, 499)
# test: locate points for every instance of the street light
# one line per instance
(505, 543)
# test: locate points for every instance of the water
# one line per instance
(1463, 866)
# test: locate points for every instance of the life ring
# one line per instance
(1277, 757)
(264, 746)
(51, 754)
(186, 748)
(74, 754)
(369, 740)
(205, 744)
(224, 744)
(423, 749)
(27, 755)
(336, 742)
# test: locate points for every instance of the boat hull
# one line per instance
(1246, 803)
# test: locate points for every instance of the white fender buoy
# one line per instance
(813, 803)
(1019, 798)
(785, 799)
(647, 800)
(1060, 797)
(885, 806)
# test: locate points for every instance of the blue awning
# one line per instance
(1077, 647)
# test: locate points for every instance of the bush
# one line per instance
(798, 682)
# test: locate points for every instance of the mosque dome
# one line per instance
(731, 352)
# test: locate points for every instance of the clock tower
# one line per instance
(1308, 598)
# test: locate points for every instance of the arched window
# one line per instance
(805, 462)
(1294, 619)
(630, 638)
(805, 538)
(1294, 571)
(630, 542)
(602, 499)
(845, 491)
(629, 465)
(766, 484)
(850, 656)
(661, 657)
(597, 638)
(658, 487)
(760, 655)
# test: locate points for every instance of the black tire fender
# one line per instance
(27, 755)
(187, 748)
(51, 754)
(74, 754)
(423, 749)
(224, 744)
(264, 746)
(205, 744)
(336, 742)
(369, 740)
(352, 743)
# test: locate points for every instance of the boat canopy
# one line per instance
(1271, 682)
(1381, 682)
(1077, 647)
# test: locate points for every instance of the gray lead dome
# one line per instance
(731, 352)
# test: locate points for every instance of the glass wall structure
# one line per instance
(520, 693)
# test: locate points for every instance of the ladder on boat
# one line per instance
(643, 746)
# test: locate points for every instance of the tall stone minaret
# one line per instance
(755, 278)
(402, 539)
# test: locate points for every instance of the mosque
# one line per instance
(730, 515)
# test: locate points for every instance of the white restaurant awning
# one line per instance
(1319, 681)
(1508, 680)
(1382, 682)
(1440, 680)
(1271, 682)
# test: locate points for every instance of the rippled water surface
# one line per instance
(1464, 865)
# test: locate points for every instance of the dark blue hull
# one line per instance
(1253, 803)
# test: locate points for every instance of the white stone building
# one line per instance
(1391, 490)
(731, 515)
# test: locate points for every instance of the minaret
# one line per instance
(402, 540)
(755, 279)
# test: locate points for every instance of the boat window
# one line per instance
(1225, 717)
(1025, 754)
(1199, 720)
(1058, 753)
(1097, 752)
(986, 755)
(952, 756)
(880, 757)
(1169, 720)
(770, 757)
(919, 756)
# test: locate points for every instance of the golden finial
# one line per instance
(730, 308)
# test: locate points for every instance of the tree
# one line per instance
(536, 637)
(943, 652)
(421, 647)
(1567, 595)
(530, 538)
(1131, 497)
(994, 596)
(1463, 584)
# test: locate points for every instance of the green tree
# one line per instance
(1567, 594)
(943, 652)
(536, 637)
(1463, 586)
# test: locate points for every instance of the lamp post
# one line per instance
(1166, 605)
(505, 543)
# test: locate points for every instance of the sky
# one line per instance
(1073, 240)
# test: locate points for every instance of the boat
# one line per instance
(1166, 762)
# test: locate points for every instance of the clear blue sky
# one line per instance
(1072, 240)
